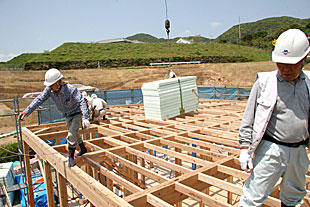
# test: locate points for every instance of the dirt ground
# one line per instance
(17, 83)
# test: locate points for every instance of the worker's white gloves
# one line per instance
(245, 160)
(22, 115)
(85, 124)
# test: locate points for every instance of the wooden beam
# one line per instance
(220, 183)
(159, 161)
(28, 174)
(62, 189)
(199, 196)
(270, 201)
(114, 177)
(178, 155)
(213, 155)
(153, 200)
(88, 186)
(48, 183)
(137, 168)
(117, 128)
(107, 131)
(228, 145)
(60, 134)
(51, 125)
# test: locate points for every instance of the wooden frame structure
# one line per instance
(190, 159)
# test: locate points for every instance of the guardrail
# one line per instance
(175, 63)
(14, 67)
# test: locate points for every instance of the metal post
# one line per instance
(19, 134)
(19, 142)
(132, 96)
(105, 96)
(39, 117)
(49, 111)
(194, 166)
(214, 91)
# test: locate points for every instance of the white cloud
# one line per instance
(215, 24)
(186, 33)
(6, 57)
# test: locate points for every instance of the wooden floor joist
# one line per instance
(133, 161)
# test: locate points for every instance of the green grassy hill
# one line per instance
(19, 61)
(261, 33)
(92, 55)
(97, 51)
(23, 58)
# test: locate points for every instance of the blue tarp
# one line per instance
(134, 96)
(118, 97)
(39, 190)
(223, 93)
(52, 142)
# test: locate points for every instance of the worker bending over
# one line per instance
(275, 126)
(97, 107)
(72, 105)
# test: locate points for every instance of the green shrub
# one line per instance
(4, 154)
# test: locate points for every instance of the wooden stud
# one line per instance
(48, 183)
(62, 189)
(28, 175)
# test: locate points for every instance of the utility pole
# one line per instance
(239, 30)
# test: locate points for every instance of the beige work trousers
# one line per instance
(73, 125)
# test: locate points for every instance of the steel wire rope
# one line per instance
(167, 26)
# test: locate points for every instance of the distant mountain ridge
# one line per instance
(145, 38)
(262, 32)
(258, 34)
(151, 39)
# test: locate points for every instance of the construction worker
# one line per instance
(97, 107)
(86, 98)
(72, 105)
(275, 126)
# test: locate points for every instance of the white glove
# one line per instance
(22, 115)
(85, 124)
(245, 160)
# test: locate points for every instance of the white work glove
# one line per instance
(85, 124)
(245, 160)
(22, 115)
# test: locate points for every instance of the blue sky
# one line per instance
(32, 26)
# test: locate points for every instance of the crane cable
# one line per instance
(170, 71)
(167, 26)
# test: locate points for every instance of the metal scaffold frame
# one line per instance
(20, 153)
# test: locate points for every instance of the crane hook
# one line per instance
(167, 26)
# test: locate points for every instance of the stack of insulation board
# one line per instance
(7, 177)
(164, 99)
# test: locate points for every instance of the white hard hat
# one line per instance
(52, 76)
(291, 47)
(93, 96)
(84, 94)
